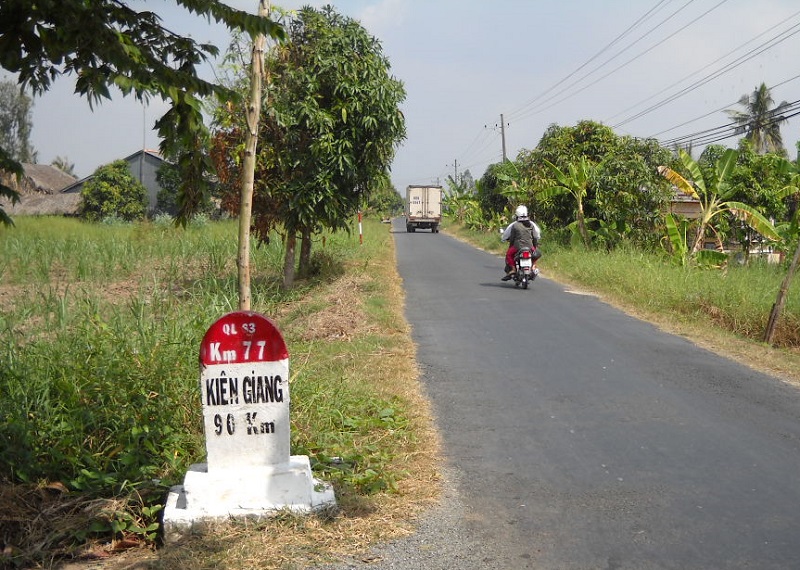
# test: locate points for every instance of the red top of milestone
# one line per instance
(240, 337)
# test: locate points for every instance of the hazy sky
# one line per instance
(676, 63)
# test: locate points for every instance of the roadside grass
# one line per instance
(725, 310)
(100, 327)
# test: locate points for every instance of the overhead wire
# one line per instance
(557, 95)
(723, 108)
(793, 30)
(661, 91)
(472, 145)
(490, 137)
(522, 113)
(488, 153)
(713, 137)
(728, 130)
(480, 144)
(608, 46)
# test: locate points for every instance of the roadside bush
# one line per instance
(113, 192)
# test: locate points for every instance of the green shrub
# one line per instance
(113, 192)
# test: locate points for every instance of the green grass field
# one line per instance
(100, 328)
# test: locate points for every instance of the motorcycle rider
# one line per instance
(520, 233)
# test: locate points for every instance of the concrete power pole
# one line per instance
(503, 135)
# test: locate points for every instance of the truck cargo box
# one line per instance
(423, 208)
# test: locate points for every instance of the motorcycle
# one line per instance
(524, 270)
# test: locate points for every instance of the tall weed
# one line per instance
(737, 298)
(99, 344)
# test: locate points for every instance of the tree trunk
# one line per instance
(699, 239)
(288, 260)
(249, 163)
(582, 226)
(780, 301)
(305, 253)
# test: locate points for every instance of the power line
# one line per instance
(723, 108)
(481, 132)
(555, 95)
(490, 137)
(595, 56)
(702, 68)
(725, 69)
(481, 143)
(732, 129)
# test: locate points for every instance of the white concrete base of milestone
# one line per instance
(243, 492)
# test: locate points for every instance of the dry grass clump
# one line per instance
(339, 313)
(48, 517)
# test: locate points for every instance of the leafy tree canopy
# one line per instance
(328, 133)
(625, 189)
(757, 179)
(335, 111)
(385, 201)
(106, 43)
(492, 190)
(113, 192)
(16, 122)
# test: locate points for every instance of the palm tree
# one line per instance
(759, 121)
(64, 165)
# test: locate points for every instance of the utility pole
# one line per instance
(455, 171)
(503, 135)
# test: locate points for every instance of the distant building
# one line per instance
(144, 165)
(40, 192)
(685, 206)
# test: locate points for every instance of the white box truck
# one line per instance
(423, 208)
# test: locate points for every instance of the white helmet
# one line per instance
(522, 212)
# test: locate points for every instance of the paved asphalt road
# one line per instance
(577, 437)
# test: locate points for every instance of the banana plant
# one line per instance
(790, 229)
(516, 187)
(676, 240)
(460, 204)
(574, 182)
(713, 195)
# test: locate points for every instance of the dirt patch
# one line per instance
(341, 318)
